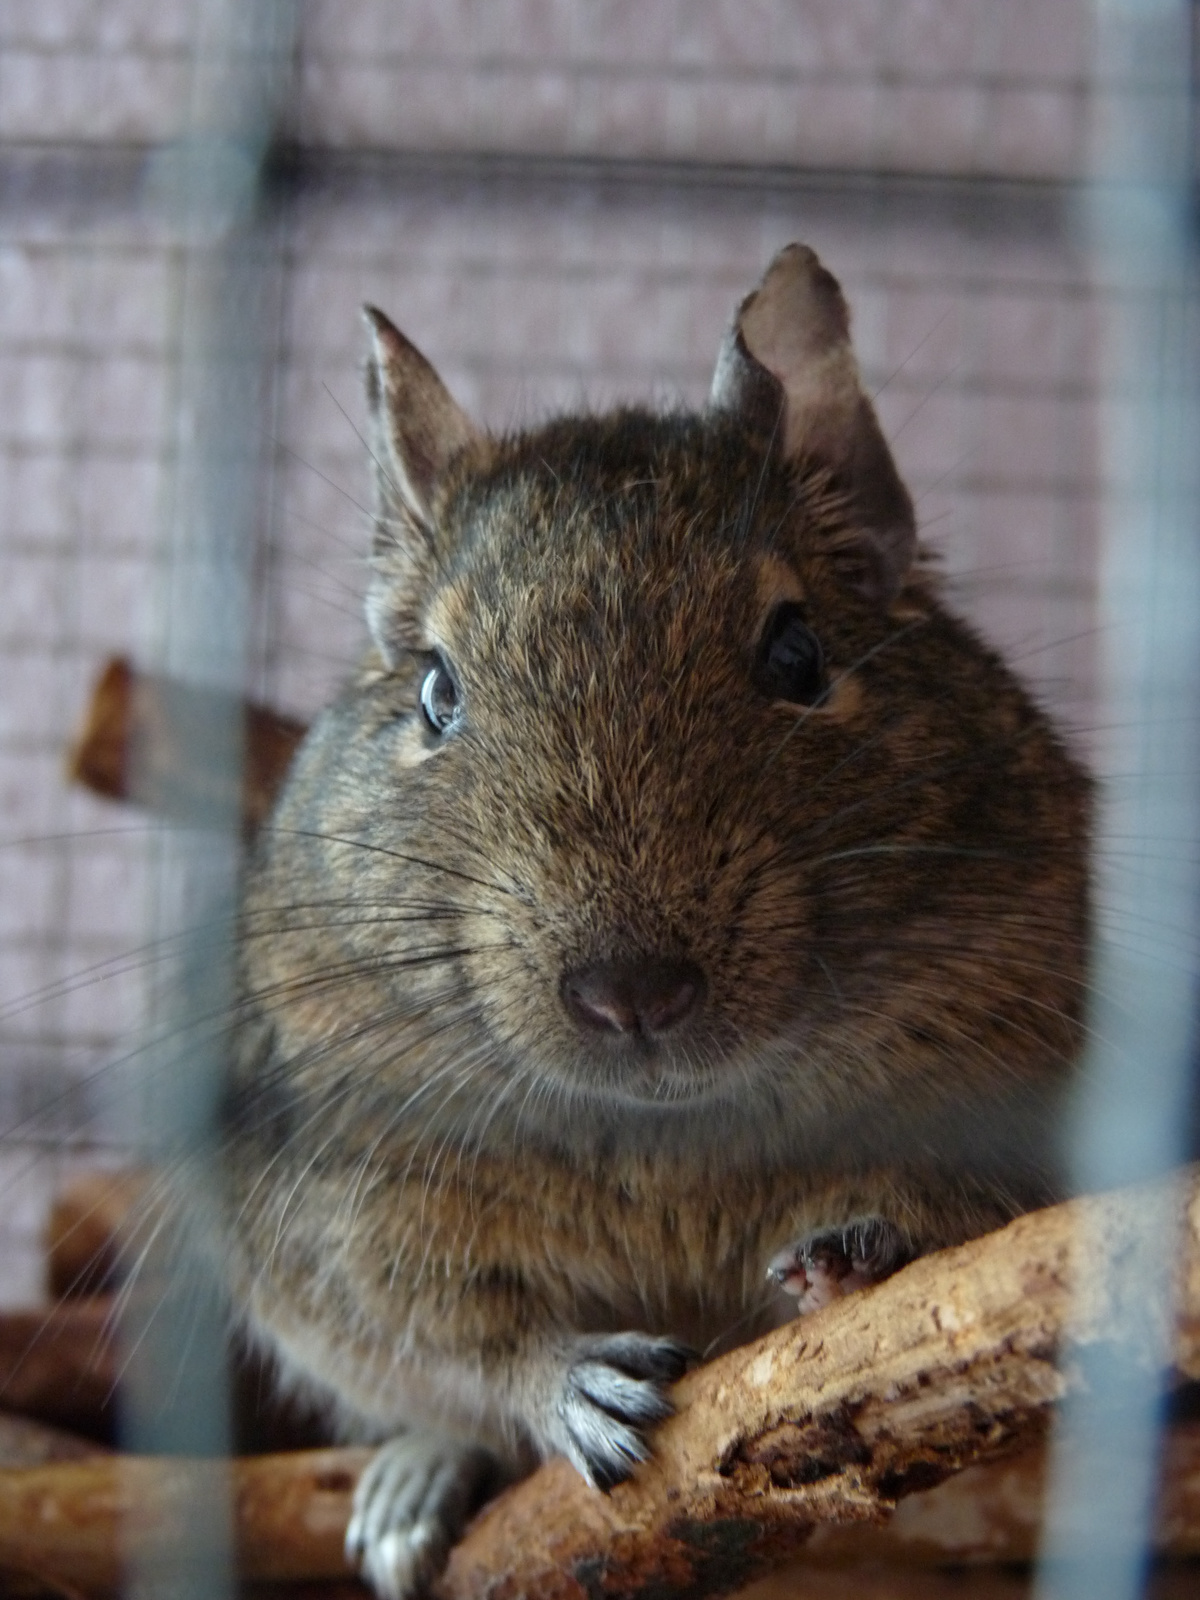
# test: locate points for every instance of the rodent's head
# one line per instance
(692, 792)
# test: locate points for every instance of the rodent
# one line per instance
(679, 903)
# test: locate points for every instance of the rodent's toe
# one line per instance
(401, 1563)
(642, 1356)
(633, 1400)
(600, 1446)
(613, 1394)
(409, 1507)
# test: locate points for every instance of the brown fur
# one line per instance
(434, 1176)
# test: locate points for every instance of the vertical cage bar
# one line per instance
(227, 274)
(1132, 1112)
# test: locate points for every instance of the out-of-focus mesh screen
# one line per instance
(560, 202)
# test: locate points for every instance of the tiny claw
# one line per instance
(787, 1271)
(829, 1264)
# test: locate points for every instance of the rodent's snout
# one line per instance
(633, 997)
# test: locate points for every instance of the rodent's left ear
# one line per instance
(416, 430)
(787, 366)
(417, 426)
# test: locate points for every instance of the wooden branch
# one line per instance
(827, 1424)
(174, 747)
(835, 1418)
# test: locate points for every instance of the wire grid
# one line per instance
(537, 272)
(85, 383)
(561, 203)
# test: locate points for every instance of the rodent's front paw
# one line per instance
(824, 1266)
(612, 1393)
(410, 1506)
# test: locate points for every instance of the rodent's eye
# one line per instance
(791, 663)
(439, 697)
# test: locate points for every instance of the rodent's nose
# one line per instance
(646, 997)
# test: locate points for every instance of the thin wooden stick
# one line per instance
(175, 747)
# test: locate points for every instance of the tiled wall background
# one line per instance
(947, 86)
(560, 201)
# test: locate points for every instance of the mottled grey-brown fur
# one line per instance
(437, 1181)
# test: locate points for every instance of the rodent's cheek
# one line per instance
(412, 744)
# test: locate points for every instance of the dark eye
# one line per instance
(439, 698)
(790, 664)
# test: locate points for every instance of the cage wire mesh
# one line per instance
(561, 202)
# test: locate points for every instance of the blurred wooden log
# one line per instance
(59, 1364)
(91, 1239)
(71, 1524)
(176, 748)
(85, 1233)
(26, 1443)
(829, 1423)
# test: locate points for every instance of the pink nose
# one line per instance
(646, 997)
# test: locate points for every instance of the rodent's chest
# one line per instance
(643, 1245)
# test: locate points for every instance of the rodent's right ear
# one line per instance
(417, 430)
(787, 368)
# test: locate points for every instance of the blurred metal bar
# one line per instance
(1132, 1113)
(227, 284)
